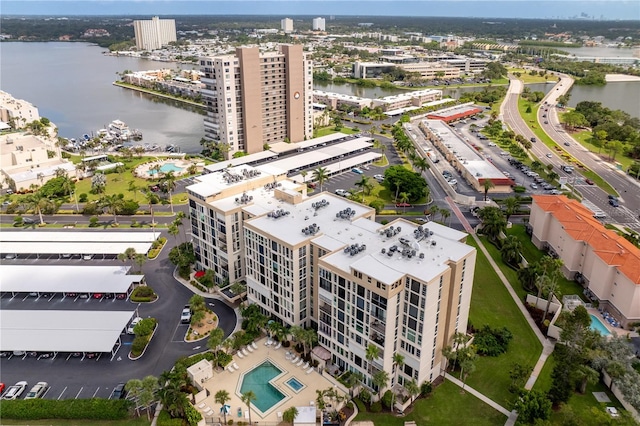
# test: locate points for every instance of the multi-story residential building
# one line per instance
(324, 261)
(155, 33)
(606, 264)
(255, 98)
(17, 112)
(286, 25)
(318, 24)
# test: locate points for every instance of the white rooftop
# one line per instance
(476, 164)
(52, 247)
(66, 279)
(245, 159)
(342, 165)
(317, 156)
(61, 331)
(77, 236)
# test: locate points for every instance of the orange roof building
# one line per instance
(607, 264)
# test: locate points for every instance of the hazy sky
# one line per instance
(607, 9)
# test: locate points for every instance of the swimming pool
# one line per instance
(165, 168)
(257, 380)
(294, 384)
(598, 326)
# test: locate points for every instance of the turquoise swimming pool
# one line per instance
(294, 384)
(165, 168)
(598, 326)
(257, 380)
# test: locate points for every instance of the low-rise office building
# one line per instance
(606, 264)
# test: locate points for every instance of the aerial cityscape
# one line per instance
(320, 213)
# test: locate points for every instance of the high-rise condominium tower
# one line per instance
(155, 33)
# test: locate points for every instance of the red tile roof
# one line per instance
(579, 223)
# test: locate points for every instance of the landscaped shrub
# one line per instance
(425, 389)
(365, 396)
(376, 407)
(83, 198)
(387, 399)
(93, 222)
(129, 207)
(361, 407)
(492, 342)
(138, 345)
(143, 294)
(89, 409)
(164, 419)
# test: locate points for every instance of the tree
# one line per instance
(398, 362)
(151, 199)
(398, 179)
(365, 185)
(553, 176)
(372, 352)
(133, 188)
(289, 415)
(147, 394)
(112, 203)
(197, 302)
(98, 183)
(532, 405)
(169, 184)
(37, 202)
(412, 389)
(445, 214)
(216, 337)
(222, 397)
(134, 389)
(510, 250)
(247, 398)
(174, 232)
(173, 399)
(404, 199)
(487, 185)
(321, 175)
(467, 358)
(493, 222)
(421, 164)
(614, 148)
(511, 205)
(380, 379)
(140, 260)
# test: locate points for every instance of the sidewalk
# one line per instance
(478, 395)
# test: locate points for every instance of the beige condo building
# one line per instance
(254, 99)
(154, 33)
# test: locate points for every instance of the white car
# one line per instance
(37, 391)
(342, 193)
(135, 322)
(379, 178)
(533, 186)
(14, 392)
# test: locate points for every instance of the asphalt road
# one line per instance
(627, 213)
(70, 377)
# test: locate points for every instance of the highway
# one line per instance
(628, 212)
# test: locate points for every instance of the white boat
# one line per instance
(120, 130)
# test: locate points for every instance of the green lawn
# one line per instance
(529, 79)
(329, 130)
(585, 138)
(443, 407)
(492, 304)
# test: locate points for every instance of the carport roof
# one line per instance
(66, 279)
(61, 331)
(50, 247)
(77, 236)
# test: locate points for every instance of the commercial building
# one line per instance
(155, 33)
(473, 167)
(606, 264)
(323, 261)
(286, 25)
(318, 24)
(255, 98)
(416, 99)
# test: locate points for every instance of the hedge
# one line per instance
(93, 409)
(164, 419)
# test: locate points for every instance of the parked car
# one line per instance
(134, 322)
(37, 391)
(118, 392)
(379, 178)
(97, 295)
(185, 317)
(589, 181)
(342, 193)
(357, 170)
(312, 185)
(403, 205)
(533, 186)
(14, 392)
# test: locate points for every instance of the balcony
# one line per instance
(325, 308)
(377, 338)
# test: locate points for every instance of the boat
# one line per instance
(121, 131)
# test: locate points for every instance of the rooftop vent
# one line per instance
(320, 204)
(347, 213)
(276, 214)
(244, 199)
(354, 249)
(311, 230)
(272, 186)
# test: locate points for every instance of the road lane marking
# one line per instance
(61, 393)
(78, 394)
(94, 394)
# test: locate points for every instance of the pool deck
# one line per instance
(615, 331)
(231, 382)
(142, 170)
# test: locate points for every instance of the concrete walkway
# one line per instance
(477, 394)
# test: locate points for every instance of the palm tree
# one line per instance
(37, 202)
(372, 352)
(445, 214)
(553, 176)
(222, 397)
(151, 199)
(134, 189)
(169, 184)
(412, 389)
(321, 174)
(404, 198)
(304, 176)
(487, 184)
(380, 379)
(365, 185)
(140, 260)
(421, 164)
(178, 220)
(112, 203)
(510, 251)
(398, 362)
(290, 415)
(216, 337)
(247, 398)
(511, 205)
(536, 165)
(173, 399)
(174, 232)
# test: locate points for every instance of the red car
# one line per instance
(2, 386)
(589, 181)
(403, 205)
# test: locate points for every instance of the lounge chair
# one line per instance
(230, 369)
(300, 362)
(287, 355)
(245, 353)
(202, 405)
(294, 360)
(240, 355)
(305, 366)
(310, 370)
(278, 346)
(249, 348)
(269, 342)
(253, 345)
(235, 365)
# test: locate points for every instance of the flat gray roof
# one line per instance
(77, 236)
(245, 159)
(61, 331)
(327, 153)
(66, 279)
(35, 247)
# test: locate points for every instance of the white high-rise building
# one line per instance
(286, 25)
(256, 98)
(318, 24)
(155, 33)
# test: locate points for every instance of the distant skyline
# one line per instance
(523, 9)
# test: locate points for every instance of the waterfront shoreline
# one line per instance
(154, 93)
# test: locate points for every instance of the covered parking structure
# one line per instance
(67, 244)
(343, 165)
(54, 331)
(52, 279)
